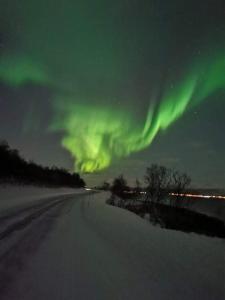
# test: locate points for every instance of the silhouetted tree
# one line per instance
(162, 182)
(180, 182)
(119, 186)
(158, 179)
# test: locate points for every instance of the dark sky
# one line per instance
(109, 87)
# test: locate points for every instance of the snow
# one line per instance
(97, 251)
(14, 196)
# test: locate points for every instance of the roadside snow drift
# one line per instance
(85, 249)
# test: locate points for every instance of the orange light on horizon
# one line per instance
(198, 196)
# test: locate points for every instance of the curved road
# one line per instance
(77, 247)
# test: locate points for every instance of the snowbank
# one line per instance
(12, 196)
(96, 251)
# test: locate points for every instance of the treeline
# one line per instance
(15, 169)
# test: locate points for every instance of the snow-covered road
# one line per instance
(77, 247)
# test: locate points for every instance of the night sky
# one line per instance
(110, 87)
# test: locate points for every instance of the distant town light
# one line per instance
(198, 196)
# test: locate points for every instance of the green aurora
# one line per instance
(95, 136)
(89, 57)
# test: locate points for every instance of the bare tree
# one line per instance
(119, 186)
(180, 182)
(161, 182)
(158, 179)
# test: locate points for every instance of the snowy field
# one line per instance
(84, 249)
(14, 196)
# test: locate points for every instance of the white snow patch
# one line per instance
(13, 196)
(96, 251)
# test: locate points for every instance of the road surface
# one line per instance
(78, 247)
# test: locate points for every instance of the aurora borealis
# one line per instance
(112, 76)
(96, 135)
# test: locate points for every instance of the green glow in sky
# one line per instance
(19, 70)
(95, 136)
(117, 73)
